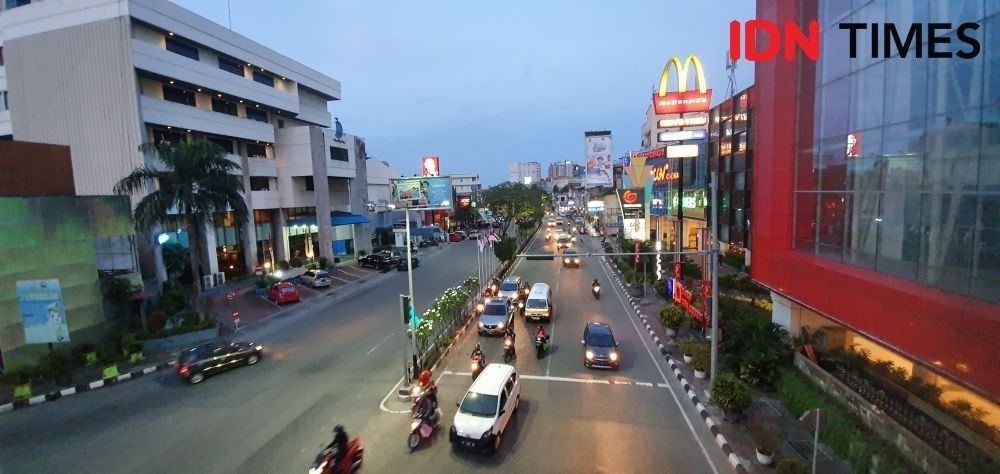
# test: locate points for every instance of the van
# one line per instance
(486, 409)
(539, 303)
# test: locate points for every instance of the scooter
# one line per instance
(422, 427)
(478, 363)
(508, 349)
(596, 290)
(351, 462)
(541, 345)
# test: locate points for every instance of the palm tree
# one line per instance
(196, 182)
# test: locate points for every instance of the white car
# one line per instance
(317, 278)
(473, 234)
(486, 409)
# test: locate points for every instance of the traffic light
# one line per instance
(408, 313)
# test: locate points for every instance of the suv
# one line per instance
(599, 346)
(497, 315)
(316, 278)
(196, 363)
(486, 409)
(513, 288)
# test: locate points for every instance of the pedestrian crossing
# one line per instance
(549, 378)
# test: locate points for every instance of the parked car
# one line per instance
(317, 278)
(283, 292)
(474, 234)
(196, 363)
(462, 234)
(454, 237)
(401, 266)
(599, 346)
(571, 258)
(381, 260)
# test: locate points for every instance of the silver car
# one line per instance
(496, 317)
(511, 288)
(316, 278)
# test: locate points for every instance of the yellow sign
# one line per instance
(682, 70)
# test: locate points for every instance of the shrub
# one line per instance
(324, 262)
(295, 262)
(788, 466)
(156, 321)
(54, 364)
(752, 345)
(283, 265)
(689, 346)
(673, 316)
(730, 394)
(261, 283)
(174, 300)
(702, 357)
(83, 349)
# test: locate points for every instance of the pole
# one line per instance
(816, 440)
(409, 279)
(715, 273)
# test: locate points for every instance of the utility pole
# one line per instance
(715, 274)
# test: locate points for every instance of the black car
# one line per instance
(198, 362)
(599, 346)
(376, 261)
(401, 266)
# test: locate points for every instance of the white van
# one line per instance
(486, 409)
(539, 303)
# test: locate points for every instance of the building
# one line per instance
(379, 172)
(158, 72)
(730, 153)
(563, 170)
(525, 173)
(59, 245)
(650, 128)
(875, 201)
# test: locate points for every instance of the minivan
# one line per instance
(539, 303)
(485, 411)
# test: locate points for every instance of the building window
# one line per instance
(256, 150)
(1, 55)
(308, 180)
(258, 115)
(338, 154)
(224, 143)
(260, 183)
(115, 256)
(183, 49)
(263, 78)
(166, 136)
(3, 101)
(181, 96)
(223, 106)
(281, 123)
(231, 66)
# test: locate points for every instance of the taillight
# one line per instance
(184, 370)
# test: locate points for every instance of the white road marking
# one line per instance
(341, 279)
(656, 364)
(662, 385)
(622, 382)
(645, 384)
(379, 344)
(392, 391)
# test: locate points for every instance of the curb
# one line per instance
(86, 387)
(713, 426)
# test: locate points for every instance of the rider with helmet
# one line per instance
(339, 443)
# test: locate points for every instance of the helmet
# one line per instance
(540, 328)
(425, 377)
(477, 346)
(338, 429)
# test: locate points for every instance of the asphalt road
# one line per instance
(336, 361)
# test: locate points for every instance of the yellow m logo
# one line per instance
(682, 76)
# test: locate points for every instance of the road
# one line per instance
(334, 362)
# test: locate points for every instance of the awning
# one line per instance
(336, 219)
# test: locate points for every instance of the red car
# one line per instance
(454, 237)
(283, 292)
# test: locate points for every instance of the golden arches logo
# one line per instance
(682, 70)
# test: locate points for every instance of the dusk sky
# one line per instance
(486, 84)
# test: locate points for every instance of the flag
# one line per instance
(493, 237)
(480, 241)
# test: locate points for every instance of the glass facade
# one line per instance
(900, 171)
(730, 154)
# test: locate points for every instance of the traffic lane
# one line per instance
(140, 412)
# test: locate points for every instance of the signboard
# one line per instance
(635, 229)
(690, 121)
(662, 174)
(684, 298)
(682, 151)
(595, 206)
(681, 135)
(598, 158)
(464, 201)
(42, 311)
(428, 193)
(658, 152)
(682, 101)
(633, 202)
(430, 166)
(853, 144)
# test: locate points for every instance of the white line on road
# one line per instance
(622, 382)
(379, 344)
(541, 377)
(645, 384)
(391, 392)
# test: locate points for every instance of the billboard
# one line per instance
(683, 100)
(633, 202)
(42, 311)
(422, 192)
(598, 158)
(430, 166)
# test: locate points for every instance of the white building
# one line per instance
(525, 173)
(379, 174)
(103, 76)
(465, 185)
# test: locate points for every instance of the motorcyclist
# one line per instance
(509, 333)
(427, 388)
(339, 443)
(477, 352)
(540, 332)
(595, 284)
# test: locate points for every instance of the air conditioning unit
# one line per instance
(213, 280)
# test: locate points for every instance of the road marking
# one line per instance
(662, 385)
(341, 279)
(379, 344)
(663, 376)
(392, 391)
(622, 382)
(645, 384)
(544, 378)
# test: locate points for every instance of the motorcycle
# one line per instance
(478, 363)
(422, 427)
(351, 462)
(596, 290)
(541, 345)
(520, 307)
(508, 349)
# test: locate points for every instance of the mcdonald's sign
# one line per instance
(682, 100)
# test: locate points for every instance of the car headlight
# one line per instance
(500, 326)
(590, 354)
(480, 307)
(614, 356)
(565, 260)
(259, 347)
(480, 324)
(487, 433)
(576, 260)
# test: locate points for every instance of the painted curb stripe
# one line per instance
(97, 384)
(36, 400)
(67, 391)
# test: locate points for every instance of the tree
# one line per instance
(514, 201)
(465, 216)
(195, 183)
(505, 249)
(175, 259)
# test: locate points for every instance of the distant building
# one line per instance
(525, 173)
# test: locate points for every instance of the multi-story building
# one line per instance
(563, 170)
(103, 76)
(730, 153)
(525, 173)
(876, 193)
(465, 189)
(379, 199)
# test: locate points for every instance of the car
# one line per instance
(563, 240)
(559, 222)
(486, 409)
(198, 362)
(454, 237)
(570, 258)
(599, 346)
(316, 278)
(401, 266)
(513, 288)
(462, 234)
(474, 234)
(283, 292)
(376, 261)
(497, 316)
(552, 223)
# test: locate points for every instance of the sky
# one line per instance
(487, 84)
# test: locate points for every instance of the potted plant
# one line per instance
(702, 359)
(688, 347)
(672, 317)
(731, 395)
(764, 437)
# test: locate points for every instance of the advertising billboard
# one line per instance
(681, 135)
(422, 192)
(430, 166)
(683, 100)
(598, 158)
(42, 311)
(633, 202)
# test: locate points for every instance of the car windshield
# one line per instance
(599, 338)
(508, 286)
(495, 310)
(569, 252)
(478, 404)
(537, 304)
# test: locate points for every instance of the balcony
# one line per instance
(265, 199)
(152, 58)
(182, 116)
(263, 167)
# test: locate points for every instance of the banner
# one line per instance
(598, 158)
(42, 311)
(422, 192)
(430, 166)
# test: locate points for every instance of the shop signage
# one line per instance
(683, 100)
(684, 298)
(595, 206)
(634, 203)
(694, 121)
(853, 144)
(661, 174)
(682, 151)
(427, 193)
(690, 202)
(650, 154)
(464, 201)
(681, 135)
(725, 148)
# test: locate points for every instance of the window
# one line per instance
(115, 256)
(281, 123)
(223, 106)
(1, 55)
(263, 78)
(309, 183)
(338, 154)
(161, 135)
(175, 94)
(224, 143)
(258, 115)
(231, 66)
(260, 183)
(256, 150)
(3, 101)
(181, 48)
